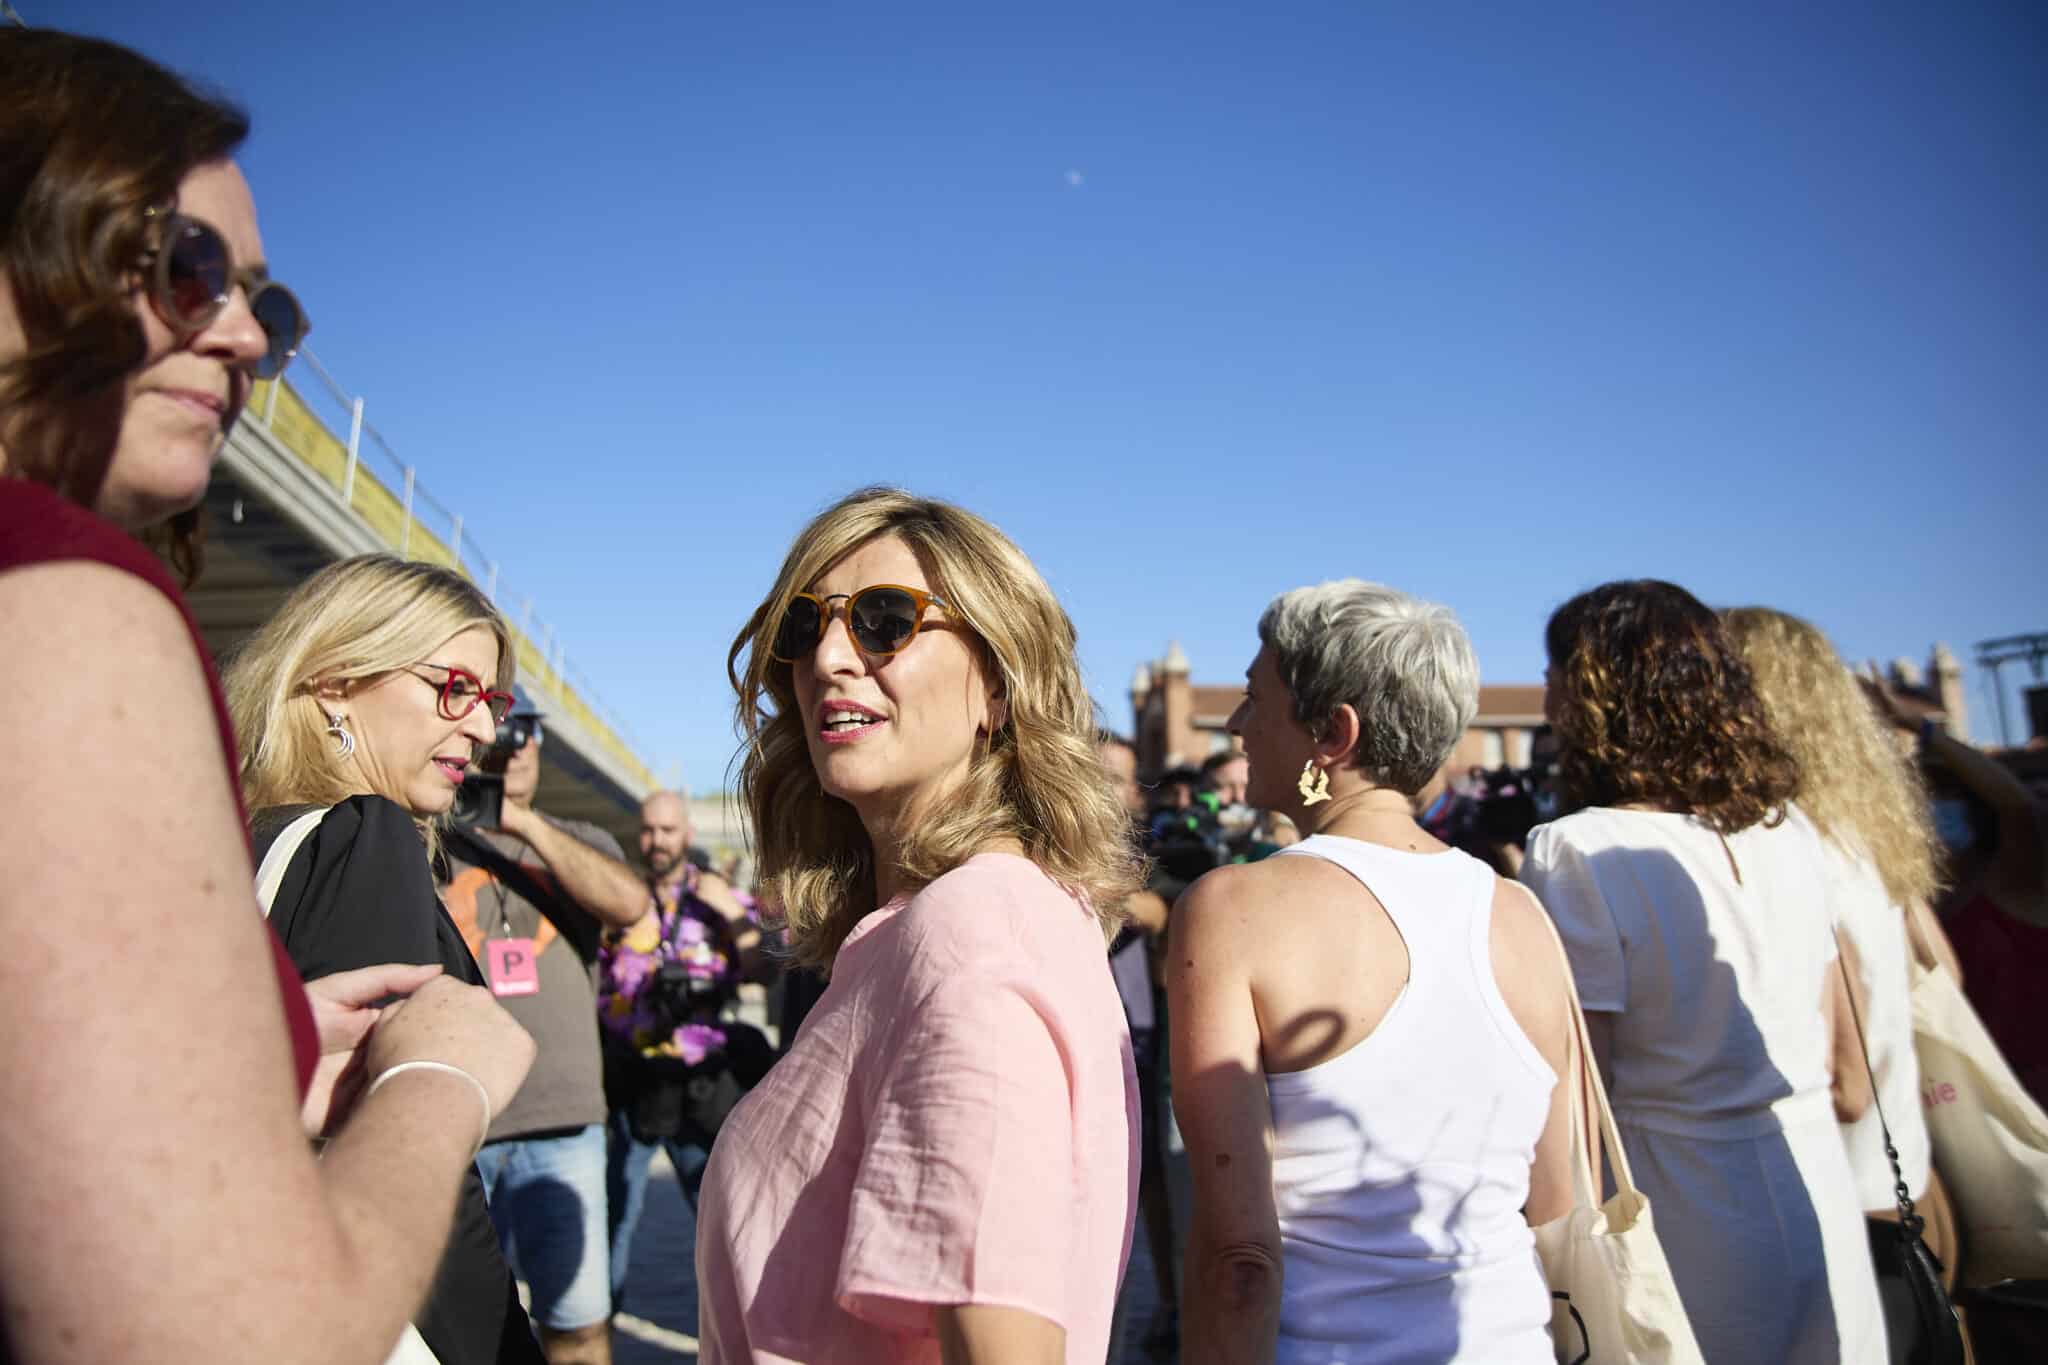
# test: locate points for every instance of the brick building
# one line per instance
(1176, 720)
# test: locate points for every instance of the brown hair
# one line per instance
(94, 136)
(1860, 789)
(1038, 781)
(1653, 703)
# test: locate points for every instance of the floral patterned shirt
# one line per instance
(682, 929)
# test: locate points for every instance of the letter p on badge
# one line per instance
(510, 965)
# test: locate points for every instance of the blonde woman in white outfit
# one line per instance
(1368, 1028)
(1695, 913)
(1865, 796)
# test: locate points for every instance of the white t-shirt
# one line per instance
(1864, 911)
(1711, 959)
(1711, 956)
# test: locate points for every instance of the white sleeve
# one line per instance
(1562, 876)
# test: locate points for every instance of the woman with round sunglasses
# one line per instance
(367, 696)
(160, 1064)
(943, 1165)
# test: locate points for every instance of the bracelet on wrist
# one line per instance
(483, 1096)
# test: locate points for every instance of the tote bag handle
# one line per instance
(270, 876)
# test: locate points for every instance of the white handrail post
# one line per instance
(270, 400)
(355, 446)
(405, 535)
(492, 591)
(455, 544)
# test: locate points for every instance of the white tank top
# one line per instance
(1401, 1165)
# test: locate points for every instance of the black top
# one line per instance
(359, 893)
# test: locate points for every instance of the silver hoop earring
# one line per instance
(338, 727)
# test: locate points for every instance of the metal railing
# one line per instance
(386, 495)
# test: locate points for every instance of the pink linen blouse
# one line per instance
(957, 1123)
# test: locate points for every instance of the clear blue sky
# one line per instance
(1198, 302)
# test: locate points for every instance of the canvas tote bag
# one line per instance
(1990, 1138)
(1613, 1299)
(412, 1348)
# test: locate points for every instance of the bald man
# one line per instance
(693, 918)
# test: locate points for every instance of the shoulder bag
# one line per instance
(1920, 1320)
(1990, 1137)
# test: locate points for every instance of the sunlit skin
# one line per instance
(191, 387)
(1276, 745)
(664, 834)
(922, 711)
(406, 750)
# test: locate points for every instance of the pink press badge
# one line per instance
(512, 967)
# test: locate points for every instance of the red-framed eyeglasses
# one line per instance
(460, 692)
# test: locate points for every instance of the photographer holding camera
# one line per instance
(533, 896)
(676, 1062)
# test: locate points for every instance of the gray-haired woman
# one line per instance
(1368, 1027)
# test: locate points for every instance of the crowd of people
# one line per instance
(453, 1032)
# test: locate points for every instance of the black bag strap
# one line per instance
(1908, 1218)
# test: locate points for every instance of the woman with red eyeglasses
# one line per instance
(359, 707)
(160, 1063)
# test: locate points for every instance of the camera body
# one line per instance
(679, 997)
(480, 800)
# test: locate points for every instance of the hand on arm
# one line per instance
(603, 885)
(1231, 1309)
(183, 1074)
(344, 1010)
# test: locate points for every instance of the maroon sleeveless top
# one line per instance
(39, 526)
(2002, 959)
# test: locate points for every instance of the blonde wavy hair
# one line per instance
(1856, 785)
(358, 619)
(1037, 780)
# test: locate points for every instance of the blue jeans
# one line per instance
(548, 1202)
(626, 1186)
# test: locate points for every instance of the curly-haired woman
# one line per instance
(944, 1165)
(1866, 797)
(1693, 905)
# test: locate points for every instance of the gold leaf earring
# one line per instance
(1314, 785)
